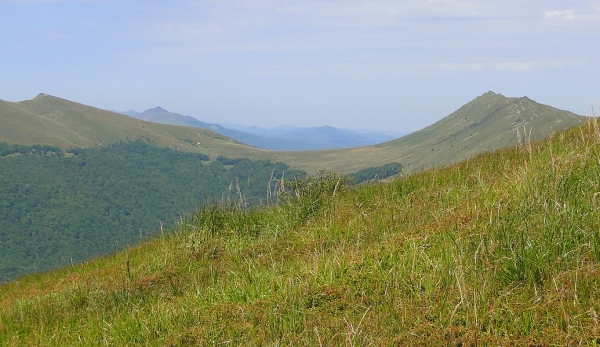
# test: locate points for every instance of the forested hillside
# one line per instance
(57, 208)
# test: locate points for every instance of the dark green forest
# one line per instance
(377, 173)
(60, 208)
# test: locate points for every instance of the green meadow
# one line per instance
(502, 249)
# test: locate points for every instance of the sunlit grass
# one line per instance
(502, 249)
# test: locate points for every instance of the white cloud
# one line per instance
(568, 14)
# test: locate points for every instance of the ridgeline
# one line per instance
(489, 122)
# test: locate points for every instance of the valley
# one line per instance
(106, 176)
(498, 249)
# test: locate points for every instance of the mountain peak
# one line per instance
(157, 109)
(492, 94)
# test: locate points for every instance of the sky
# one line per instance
(380, 65)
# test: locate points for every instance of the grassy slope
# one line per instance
(487, 123)
(501, 249)
(58, 122)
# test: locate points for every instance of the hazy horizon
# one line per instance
(349, 64)
(238, 126)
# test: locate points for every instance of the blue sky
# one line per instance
(383, 65)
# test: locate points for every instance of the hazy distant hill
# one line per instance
(323, 137)
(280, 138)
(160, 115)
(130, 113)
(489, 122)
(288, 131)
(375, 135)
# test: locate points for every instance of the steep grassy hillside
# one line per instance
(502, 250)
(489, 122)
(49, 120)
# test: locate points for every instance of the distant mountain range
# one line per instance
(275, 131)
(284, 138)
(487, 123)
